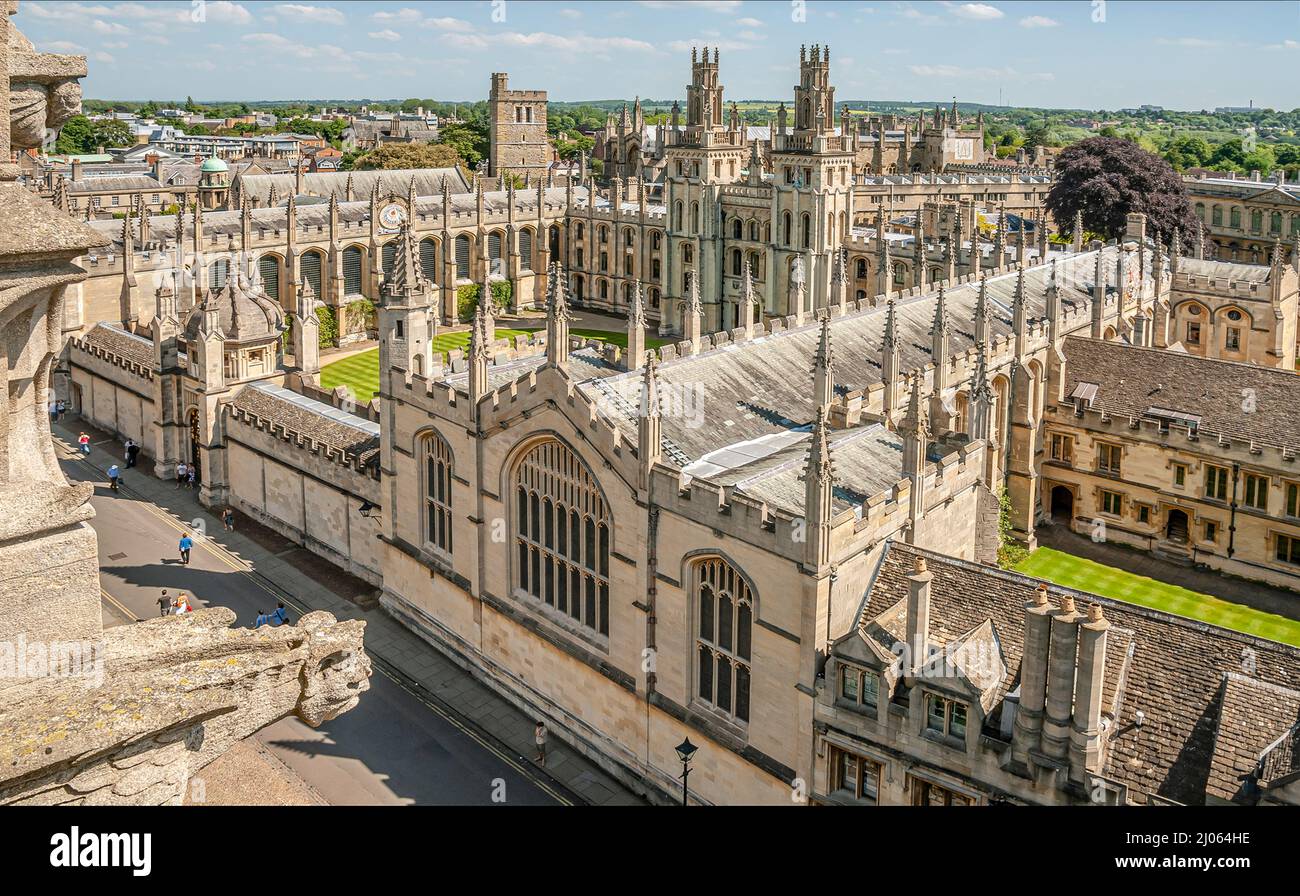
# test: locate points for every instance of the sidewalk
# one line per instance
(315, 584)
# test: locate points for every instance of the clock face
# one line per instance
(392, 216)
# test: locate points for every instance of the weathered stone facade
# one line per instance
(518, 143)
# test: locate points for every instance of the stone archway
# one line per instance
(1176, 527)
(1062, 504)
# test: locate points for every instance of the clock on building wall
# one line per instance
(392, 216)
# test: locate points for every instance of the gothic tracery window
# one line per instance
(437, 493)
(724, 622)
(562, 535)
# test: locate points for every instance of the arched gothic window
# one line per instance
(437, 493)
(562, 535)
(724, 621)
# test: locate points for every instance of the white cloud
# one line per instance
(103, 58)
(386, 34)
(978, 11)
(748, 22)
(751, 35)
(571, 13)
(326, 15)
(226, 13)
(683, 46)
(101, 27)
(447, 23)
(61, 46)
(1038, 22)
(572, 43)
(406, 14)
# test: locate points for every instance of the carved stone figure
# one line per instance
(128, 714)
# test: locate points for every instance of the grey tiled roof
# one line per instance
(116, 341)
(428, 182)
(1132, 380)
(301, 416)
(1225, 270)
(1176, 677)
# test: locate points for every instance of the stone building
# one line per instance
(126, 714)
(961, 685)
(518, 143)
(1243, 217)
(1192, 459)
(643, 546)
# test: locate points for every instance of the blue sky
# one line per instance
(1185, 55)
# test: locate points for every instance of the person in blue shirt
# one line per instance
(114, 475)
(262, 619)
(185, 545)
(280, 616)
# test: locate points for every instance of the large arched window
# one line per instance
(562, 535)
(437, 493)
(525, 249)
(310, 267)
(352, 264)
(387, 255)
(462, 257)
(218, 273)
(268, 270)
(429, 260)
(724, 615)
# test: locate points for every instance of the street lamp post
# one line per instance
(685, 750)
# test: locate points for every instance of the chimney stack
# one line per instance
(1033, 676)
(1061, 662)
(1085, 734)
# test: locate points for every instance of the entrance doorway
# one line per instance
(1176, 527)
(195, 441)
(1062, 504)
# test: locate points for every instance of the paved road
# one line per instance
(394, 748)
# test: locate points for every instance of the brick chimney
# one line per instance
(1085, 734)
(1060, 679)
(918, 614)
(1033, 676)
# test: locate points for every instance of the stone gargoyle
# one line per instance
(176, 692)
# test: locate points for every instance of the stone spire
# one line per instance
(919, 278)
(1021, 244)
(305, 335)
(1052, 304)
(939, 353)
(819, 490)
(693, 317)
(1020, 313)
(840, 282)
(823, 378)
(405, 280)
(1000, 240)
(1076, 242)
(1200, 241)
(1176, 251)
(557, 317)
(983, 314)
(890, 360)
(489, 310)
(650, 443)
(748, 298)
(798, 290)
(915, 430)
(478, 355)
(636, 324)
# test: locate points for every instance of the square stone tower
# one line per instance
(517, 130)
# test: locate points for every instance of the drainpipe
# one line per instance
(1232, 511)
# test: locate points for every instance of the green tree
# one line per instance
(392, 156)
(469, 140)
(74, 135)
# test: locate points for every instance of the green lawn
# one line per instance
(1086, 575)
(360, 372)
(617, 337)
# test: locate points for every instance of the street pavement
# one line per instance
(406, 742)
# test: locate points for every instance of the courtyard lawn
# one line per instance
(1087, 575)
(615, 337)
(360, 372)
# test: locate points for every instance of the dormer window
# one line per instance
(945, 717)
(860, 688)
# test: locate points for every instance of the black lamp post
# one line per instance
(685, 750)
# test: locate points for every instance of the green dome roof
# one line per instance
(213, 165)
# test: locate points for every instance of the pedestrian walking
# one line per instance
(84, 441)
(280, 616)
(114, 474)
(54, 412)
(262, 619)
(189, 477)
(183, 604)
(186, 544)
(228, 519)
(132, 450)
(164, 603)
(182, 473)
(60, 408)
(539, 735)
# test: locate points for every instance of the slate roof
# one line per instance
(116, 341)
(246, 314)
(1225, 270)
(1132, 380)
(316, 420)
(1202, 719)
(428, 182)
